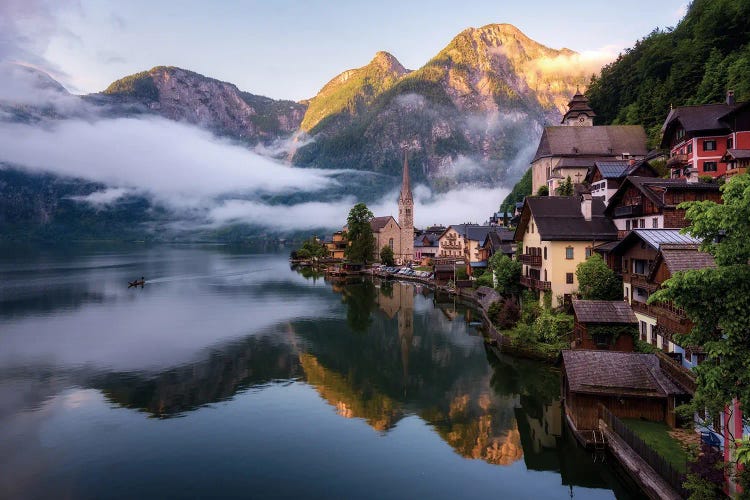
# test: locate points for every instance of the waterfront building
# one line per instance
(571, 149)
(557, 233)
(603, 324)
(708, 139)
(426, 247)
(465, 242)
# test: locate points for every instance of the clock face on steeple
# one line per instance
(581, 119)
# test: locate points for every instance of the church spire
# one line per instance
(405, 181)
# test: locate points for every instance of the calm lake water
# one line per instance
(230, 375)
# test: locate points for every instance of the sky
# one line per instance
(290, 49)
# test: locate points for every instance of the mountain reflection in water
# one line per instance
(380, 355)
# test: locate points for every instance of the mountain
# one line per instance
(706, 54)
(467, 114)
(182, 95)
(352, 91)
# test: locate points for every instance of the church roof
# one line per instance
(602, 141)
(378, 223)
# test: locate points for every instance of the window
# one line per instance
(643, 331)
(569, 253)
(545, 255)
(664, 344)
(709, 166)
(588, 252)
(643, 223)
(408, 211)
(653, 334)
(390, 243)
(709, 145)
(690, 148)
(655, 222)
(730, 143)
(545, 275)
(569, 278)
(532, 227)
(640, 266)
(627, 225)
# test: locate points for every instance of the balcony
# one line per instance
(535, 284)
(677, 161)
(629, 211)
(451, 246)
(640, 281)
(669, 318)
(531, 260)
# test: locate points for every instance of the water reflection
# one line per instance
(383, 353)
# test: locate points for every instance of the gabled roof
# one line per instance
(619, 169)
(653, 188)
(683, 258)
(654, 238)
(578, 105)
(604, 311)
(614, 373)
(430, 239)
(560, 218)
(736, 154)
(378, 223)
(606, 141)
(699, 118)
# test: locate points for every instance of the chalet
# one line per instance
(557, 234)
(499, 241)
(737, 161)
(465, 242)
(603, 324)
(571, 149)
(605, 177)
(707, 139)
(647, 202)
(628, 384)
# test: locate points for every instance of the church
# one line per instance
(399, 235)
(573, 147)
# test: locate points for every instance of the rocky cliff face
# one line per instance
(186, 96)
(472, 112)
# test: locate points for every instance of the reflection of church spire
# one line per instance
(405, 327)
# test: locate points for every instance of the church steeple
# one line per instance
(406, 216)
(579, 112)
(405, 181)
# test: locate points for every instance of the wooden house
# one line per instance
(628, 384)
(605, 177)
(647, 202)
(603, 324)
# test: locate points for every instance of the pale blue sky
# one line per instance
(289, 49)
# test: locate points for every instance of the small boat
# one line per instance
(135, 283)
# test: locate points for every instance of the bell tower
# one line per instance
(406, 217)
(579, 112)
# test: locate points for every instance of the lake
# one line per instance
(231, 375)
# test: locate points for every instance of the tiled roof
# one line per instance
(613, 169)
(653, 187)
(432, 240)
(738, 154)
(617, 373)
(605, 141)
(378, 223)
(603, 311)
(560, 218)
(700, 117)
(583, 162)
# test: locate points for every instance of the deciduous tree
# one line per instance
(596, 281)
(359, 233)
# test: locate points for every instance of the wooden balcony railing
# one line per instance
(669, 318)
(451, 246)
(535, 284)
(629, 211)
(640, 281)
(531, 260)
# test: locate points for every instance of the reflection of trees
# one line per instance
(360, 302)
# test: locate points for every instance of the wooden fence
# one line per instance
(671, 475)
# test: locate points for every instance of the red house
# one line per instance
(708, 139)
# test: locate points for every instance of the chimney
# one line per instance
(730, 97)
(631, 162)
(692, 175)
(586, 206)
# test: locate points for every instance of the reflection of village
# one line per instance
(413, 355)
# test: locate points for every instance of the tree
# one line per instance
(717, 301)
(596, 281)
(359, 233)
(386, 255)
(507, 274)
(543, 191)
(311, 248)
(566, 188)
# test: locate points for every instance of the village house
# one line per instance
(465, 242)
(557, 233)
(336, 245)
(603, 324)
(571, 149)
(498, 241)
(646, 258)
(426, 247)
(707, 139)
(606, 177)
(628, 384)
(647, 202)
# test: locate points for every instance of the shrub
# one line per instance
(504, 313)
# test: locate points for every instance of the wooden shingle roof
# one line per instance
(604, 311)
(614, 373)
(603, 141)
(559, 218)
